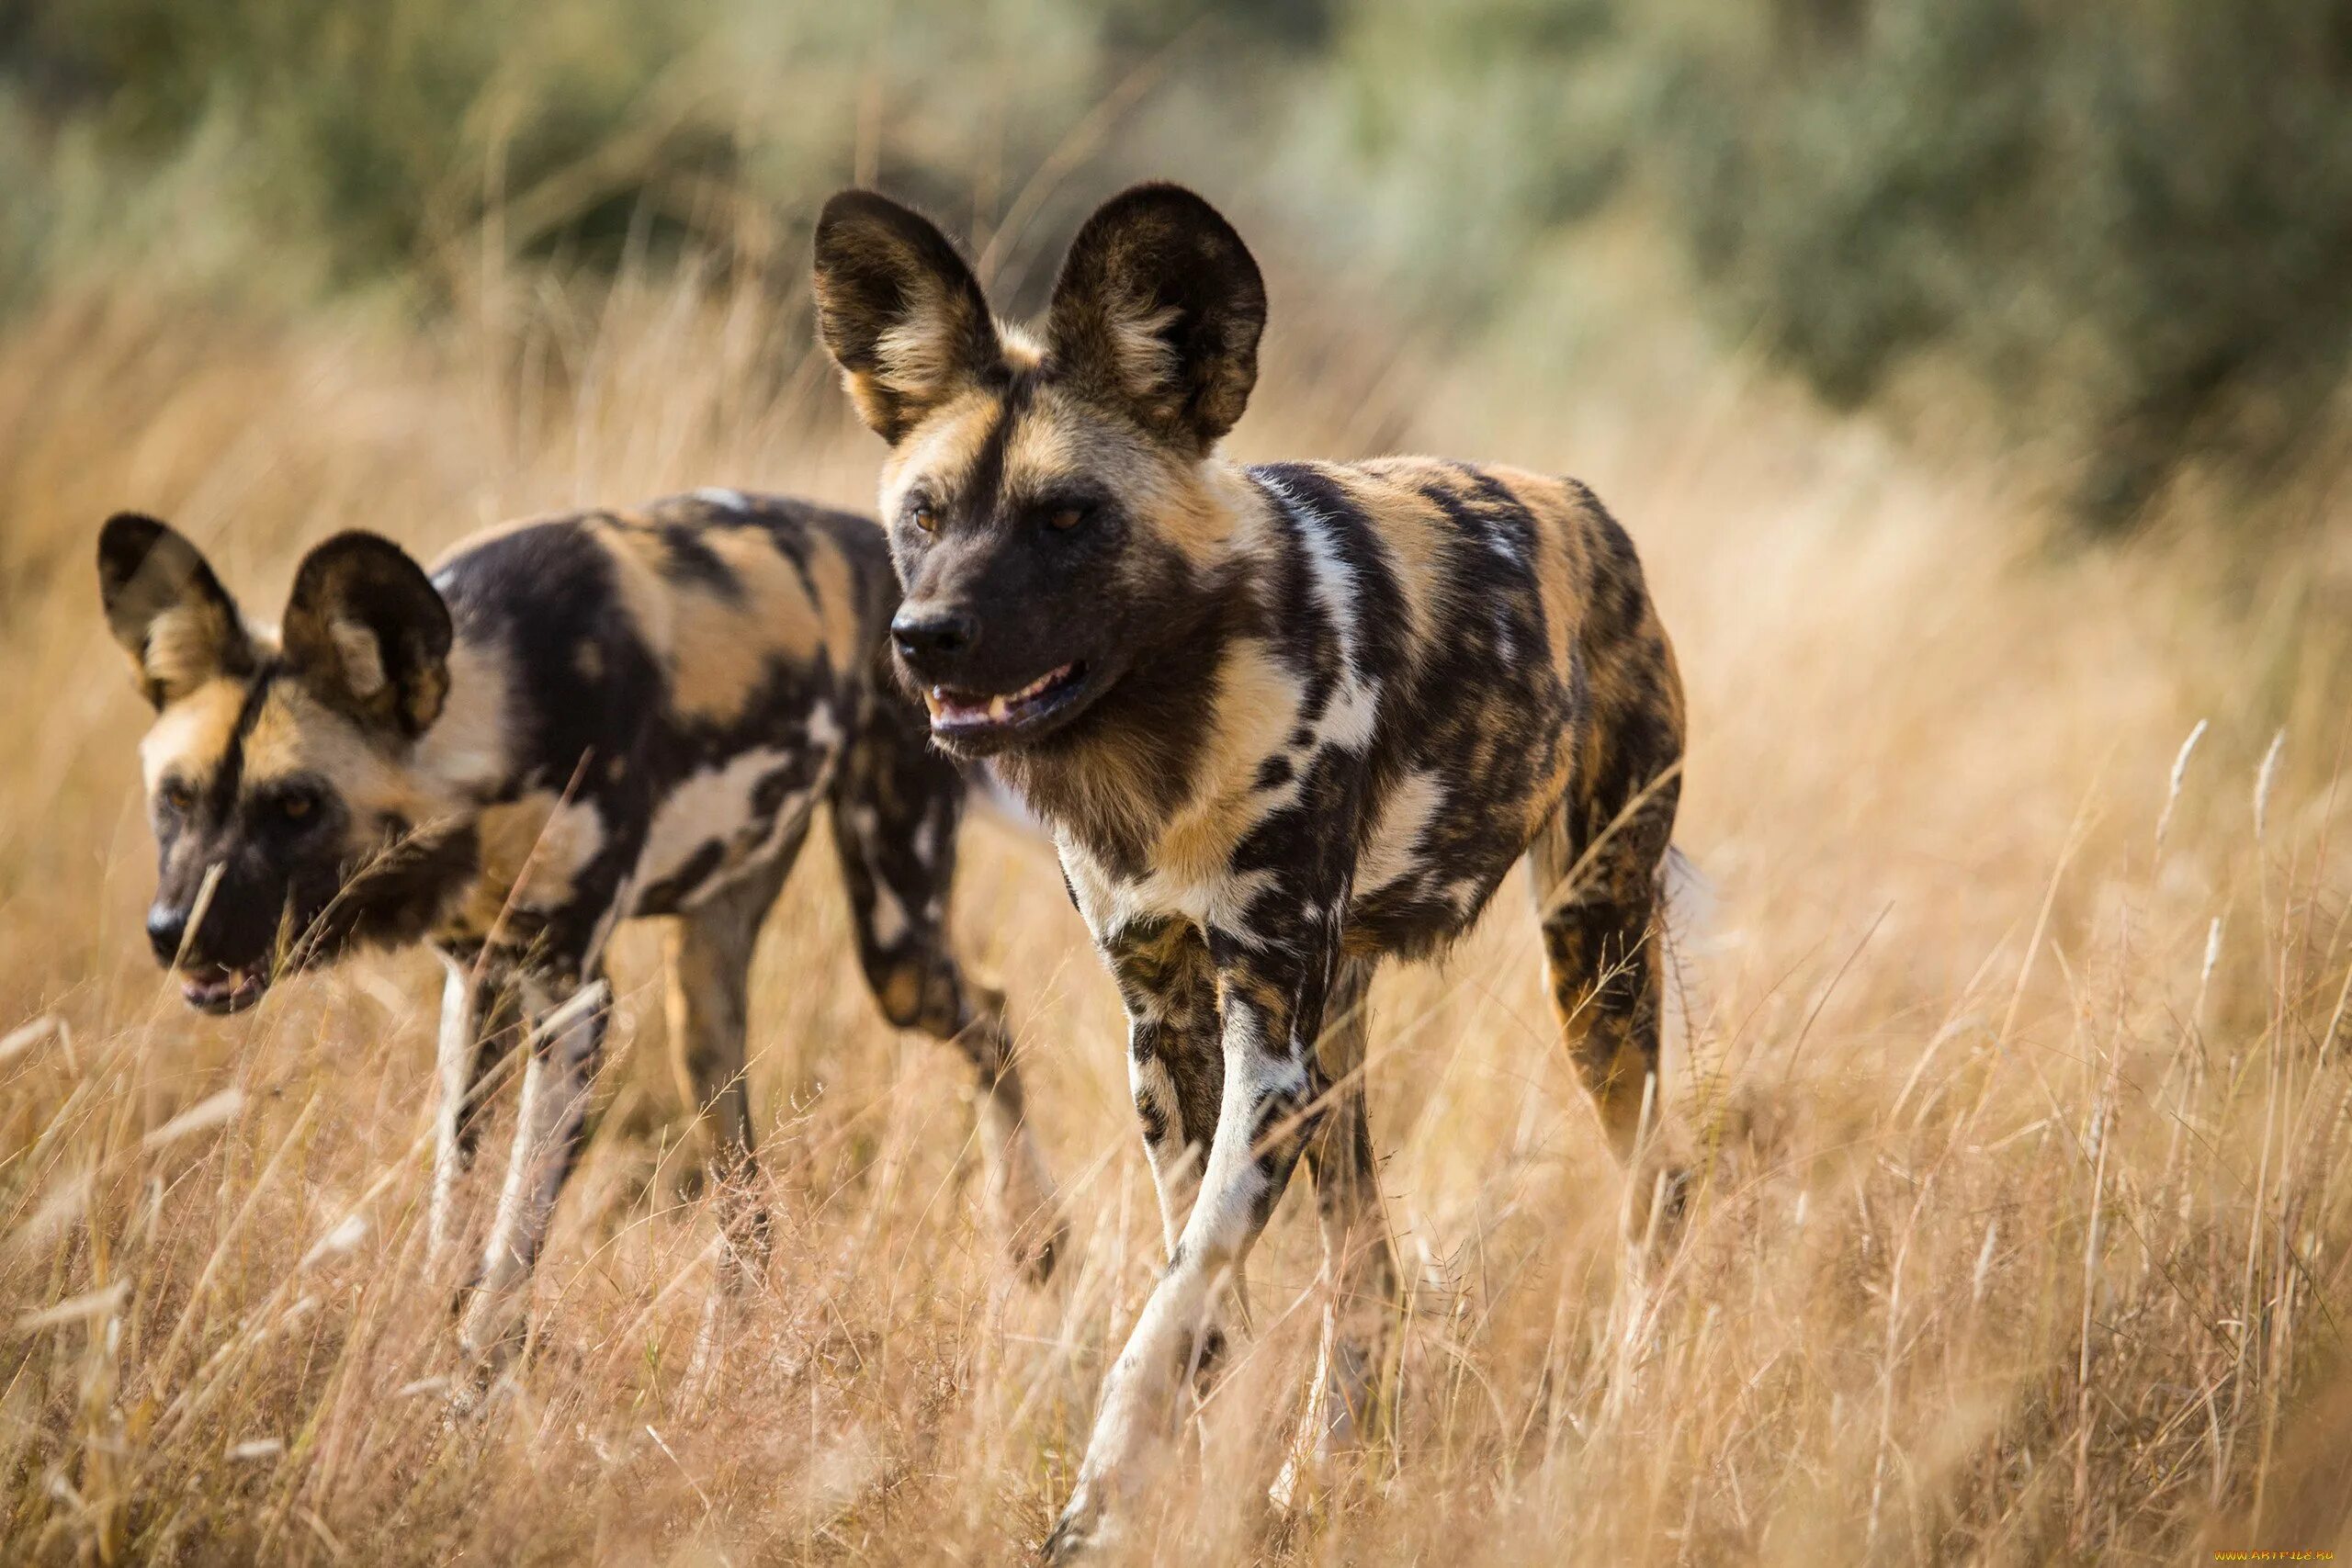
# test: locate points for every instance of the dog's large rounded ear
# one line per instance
(167, 609)
(366, 632)
(1158, 309)
(899, 310)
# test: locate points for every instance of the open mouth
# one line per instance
(221, 988)
(957, 714)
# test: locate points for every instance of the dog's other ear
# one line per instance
(368, 633)
(167, 609)
(1157, 310)
(899, 311)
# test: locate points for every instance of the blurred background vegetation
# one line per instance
(2113, 238)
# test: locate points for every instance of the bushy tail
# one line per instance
(1686, 927)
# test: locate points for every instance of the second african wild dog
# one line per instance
(573, 720)
(1284, 721)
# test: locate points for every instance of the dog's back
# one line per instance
(690, 671)
(1500, 616)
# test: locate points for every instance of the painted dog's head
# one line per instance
(285, 813)
(1053, 510)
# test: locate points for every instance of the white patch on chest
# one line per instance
(1107, 902)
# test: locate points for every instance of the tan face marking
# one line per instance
(1060, 441)
(189, 737)
(296, 734)
(939, 452)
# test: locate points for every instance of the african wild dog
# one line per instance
(1283, 721)
(573, 720)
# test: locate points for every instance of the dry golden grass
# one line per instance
(2018, 1038)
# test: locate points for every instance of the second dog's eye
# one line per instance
(1062, 519)
(923, 517)
(295, 807)
(178, 796)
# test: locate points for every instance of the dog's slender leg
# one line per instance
(896, 806)
(1359, 1262)
(455, 1062)
(567, 1027)
(1175, 1069)
(1021, 1191)
(706, 1006)
(479, 1024)
(1272, 987)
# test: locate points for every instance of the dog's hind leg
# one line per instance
(706, 1006)
(1359, 1260)
(1596, 864)
(896, 806)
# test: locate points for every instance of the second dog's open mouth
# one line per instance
(219, 988)
(957, 712)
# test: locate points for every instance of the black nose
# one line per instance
(925, 637)
(165, 930)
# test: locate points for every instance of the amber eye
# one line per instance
(294, 807)
(1064, 518)
(924, 516)
(177, 796)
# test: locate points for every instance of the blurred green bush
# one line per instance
(2131, 222)
(2126, 223)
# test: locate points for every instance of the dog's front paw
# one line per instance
(1086, 1529)
(490, 1334)
(1037, 1247)
(470, 1393)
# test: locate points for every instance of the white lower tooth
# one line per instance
(997, 707)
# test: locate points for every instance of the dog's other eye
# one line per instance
(295, 806)
(178, 796)
(1062, 519)
(921, 515)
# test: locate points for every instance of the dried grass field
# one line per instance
(2017, 1037)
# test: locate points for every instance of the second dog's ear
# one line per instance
(368, 633)
(899, 311)
(1159, 310)
(167, 609)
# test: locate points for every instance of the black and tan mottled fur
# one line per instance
(572, 721)
(1284, 721)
